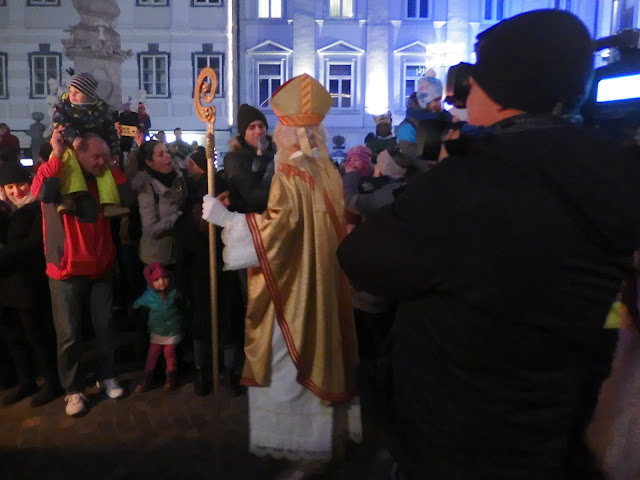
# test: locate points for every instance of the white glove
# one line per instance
(213, 211)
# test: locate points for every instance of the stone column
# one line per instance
(378, 72)
(304, 38)
(94, 47)
(36, 132)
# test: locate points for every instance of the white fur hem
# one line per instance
(238, 251)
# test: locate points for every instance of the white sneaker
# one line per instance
(111, 388)
(75, 404)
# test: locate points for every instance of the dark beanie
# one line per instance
(199, 157)
(535, 61)
(13, 172)
(246, 115)
(85, 83)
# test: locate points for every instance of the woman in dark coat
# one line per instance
(25, 320)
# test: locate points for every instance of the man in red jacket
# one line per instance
(80, 257)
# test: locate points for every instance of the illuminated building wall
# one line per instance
(369, 56)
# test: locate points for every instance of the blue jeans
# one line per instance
(66, 304)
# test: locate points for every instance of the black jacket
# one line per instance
(23, 283)
(248, 176)
(505, 264)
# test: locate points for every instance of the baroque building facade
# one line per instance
(130, 46)
(368, 53)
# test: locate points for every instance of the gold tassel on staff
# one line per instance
(203, 94)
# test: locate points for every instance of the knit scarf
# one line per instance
(165, 179)
(26, 200)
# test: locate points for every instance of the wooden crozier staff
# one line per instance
(203, 94)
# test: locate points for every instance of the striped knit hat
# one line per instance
(85, 83)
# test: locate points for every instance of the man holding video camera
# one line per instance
(505, 261)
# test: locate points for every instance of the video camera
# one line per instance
(613, 102)
(458, 84)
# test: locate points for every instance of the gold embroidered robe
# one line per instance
(299, 282)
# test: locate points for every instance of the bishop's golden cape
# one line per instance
(299, 283)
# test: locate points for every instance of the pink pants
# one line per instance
(169, 356)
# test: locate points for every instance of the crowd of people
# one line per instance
(453, 288)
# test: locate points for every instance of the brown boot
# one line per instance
(145, 384)
(172, 381)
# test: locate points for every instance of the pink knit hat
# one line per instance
(153, 271)
(362, 153)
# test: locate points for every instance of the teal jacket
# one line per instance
(165, 318)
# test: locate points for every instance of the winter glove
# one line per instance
(213, 211)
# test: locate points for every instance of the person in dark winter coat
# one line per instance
(505, 262)
(358, 163)
(423, 107)
(127, 117)
(144, 120)
(364, 198)
(248, 169)
(81, 111)
(9, 141)
(248, 166)
(25, 318)
(373, 314)
(383, 137)
(195, 282)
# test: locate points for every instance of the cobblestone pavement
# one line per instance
(153, 435)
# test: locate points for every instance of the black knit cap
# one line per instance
(246, 115)
(85, 83)
(199, 157)
(536, 61)
(13, 172)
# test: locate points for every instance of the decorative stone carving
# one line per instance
(97, 12)
(36, 132)
(338, 155)
(55, 92)
(94, 46)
